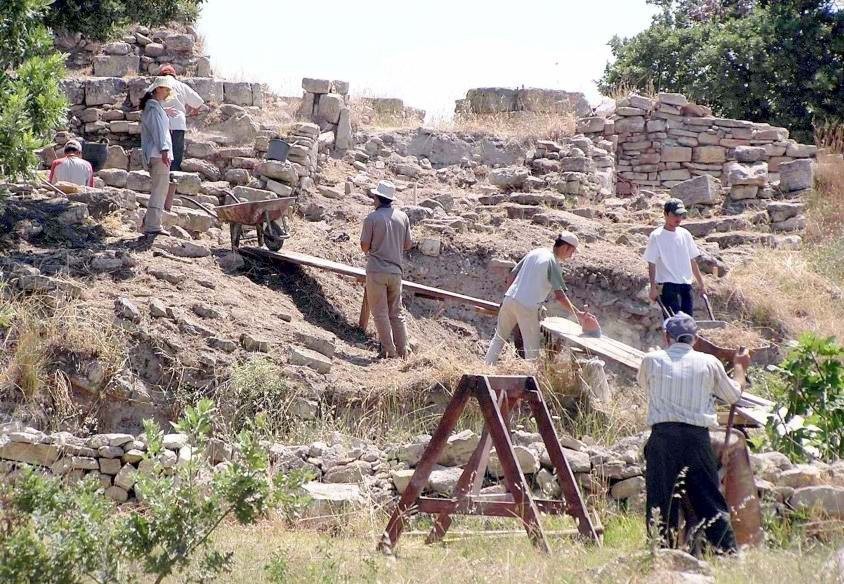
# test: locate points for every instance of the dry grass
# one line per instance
(44, 333)
(522, 126)
(830, 135)
(625, 88)
(796, 291)
(347, 554)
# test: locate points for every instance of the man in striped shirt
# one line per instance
(681, 385)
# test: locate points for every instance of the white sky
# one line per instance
(428, 53)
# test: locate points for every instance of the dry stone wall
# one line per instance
(662, 142)
(140, 51)
(326, 103)
(345, 469)
(502, 100)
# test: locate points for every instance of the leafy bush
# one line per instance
(257, 386)
(31, 103)
(52, 533)
(101, 19)
(809, 417)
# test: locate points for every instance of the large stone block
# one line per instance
(633, 124)
(676, 154)
(795, 150)
(590, 125)
(74, 90)
(740, 174)
(796, 175)
(210, 90)
(37, 454)
(238, 93)
(710, 154)
(344, 139)
(509, 177)
(179, 43)
(750, 153)
(488, 100)
(329, 107)
(316, 85)
(139, 180)
(281, 171)
(115, 65)
(828, 499)
(700, 190)
(105, 90)
(250, 194)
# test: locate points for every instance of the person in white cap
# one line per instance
(384, 239)
(537, 275)
(157, 150)
(72, 168)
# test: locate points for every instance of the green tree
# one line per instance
(775, 61)
(100, 19)
(31, 103)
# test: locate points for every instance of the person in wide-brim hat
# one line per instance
(384, 239)
(157, 148)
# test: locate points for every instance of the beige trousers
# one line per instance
(160, 175)
(512, 313)
(383, 292)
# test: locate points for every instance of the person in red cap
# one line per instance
(183, 101)
(71, 167)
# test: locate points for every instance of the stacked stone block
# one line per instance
(140, 52)
(325, 103)
(503, 100)
(662, 142)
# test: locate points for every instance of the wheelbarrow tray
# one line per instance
(253, 212)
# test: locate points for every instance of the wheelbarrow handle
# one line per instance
(200, 205)
(741, 379)
(665, 311)
(708, 305)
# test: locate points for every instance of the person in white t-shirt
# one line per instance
(671, 255)
(183, 101)
(530, 282)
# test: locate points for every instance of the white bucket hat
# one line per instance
(569, 238)
(164, 81)
(385, 190)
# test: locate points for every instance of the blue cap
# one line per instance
(679, 325)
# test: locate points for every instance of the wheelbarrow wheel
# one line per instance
(275, 234)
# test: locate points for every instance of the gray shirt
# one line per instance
(387, 231)
(155, 131)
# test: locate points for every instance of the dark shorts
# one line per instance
(178, 139)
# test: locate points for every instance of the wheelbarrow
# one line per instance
(269, 218)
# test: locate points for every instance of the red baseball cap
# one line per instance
(167, 70)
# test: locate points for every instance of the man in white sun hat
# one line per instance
(384, 239)
(536, 276)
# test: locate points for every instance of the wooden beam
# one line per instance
(483, 306)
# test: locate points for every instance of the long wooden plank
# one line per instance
(753, 408)
(420, 290)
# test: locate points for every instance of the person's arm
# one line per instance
(90, 175)
(728, 389)
(564, 301)
(192, 100)
(651, 256)
(694, 254)
(555, 277)
(53, 166)
(366, 236)
(408, 239)
(162, 134)
(642, 375)
(698, 276)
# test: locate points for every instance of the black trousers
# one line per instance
(178, 139)
(677, 297)
(681, 468)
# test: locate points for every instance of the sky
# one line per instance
(427, 53)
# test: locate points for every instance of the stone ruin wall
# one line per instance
(141, 51)
(503, 100)
(662, 142)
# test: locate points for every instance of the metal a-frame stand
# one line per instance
(497, 397)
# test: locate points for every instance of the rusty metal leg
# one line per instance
(469, 482)
(513, 477)
(423, 469)
(574, 500)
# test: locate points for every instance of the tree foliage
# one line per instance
(778, 61)
(31, 103)
(100, 19)
(809, 417)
